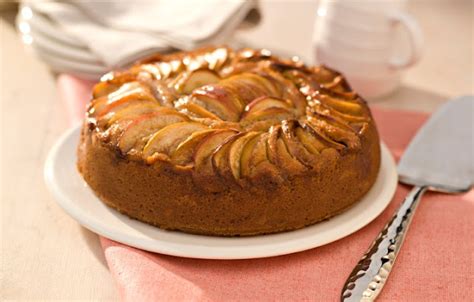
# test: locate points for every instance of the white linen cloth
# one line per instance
(119, 32)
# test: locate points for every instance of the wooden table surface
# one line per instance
(46, 255)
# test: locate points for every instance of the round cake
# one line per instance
(228, 142)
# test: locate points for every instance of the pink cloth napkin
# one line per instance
(436, 262)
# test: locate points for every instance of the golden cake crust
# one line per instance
(284, 145)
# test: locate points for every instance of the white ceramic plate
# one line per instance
(75, 197)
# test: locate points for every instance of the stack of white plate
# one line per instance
(61, 51)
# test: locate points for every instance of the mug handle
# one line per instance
(415, 38)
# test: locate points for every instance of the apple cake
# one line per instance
(228, 142)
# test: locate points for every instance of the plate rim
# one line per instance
(203, 251)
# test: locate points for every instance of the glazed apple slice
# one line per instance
(309, 140)
(126, 92)
(166, 140)
(262, 80)
(222, 107)
(249, 86)
(228, 95)
(288, 90)
(341, 105)
(110, 82)
(220, 157)
(183, 155)
(279, 154)
(265, 102)
(340, 117)
(137, 133)
(135, 109)
(247, 153)
(315, 130)
(109, 112)
(334, 132)
(203, 153)
(235, 153)
(259, 166)
(266, 114)
(294, 145)
(197, 111)
(196, 79)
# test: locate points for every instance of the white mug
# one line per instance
(359, 39)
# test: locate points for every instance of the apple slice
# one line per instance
(135, 109)
(266, 114)
(223, 93)
(221, 107)
(317, 132)
(220, 157)
(198, 78)
(334, 133)
(259, 167)
(265, 102)
(309, 140)
(294, 145)
(279, 154)
(126, 92)
(263, 80)
(249, 86)
(203, 153)
(340, 117)
(235, 153)
(183, 155)
(197, 111)
(247, 153)
(341, 105)
(166, 140)
(137, 133)
(110, 82)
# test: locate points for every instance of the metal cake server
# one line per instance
(440, 158)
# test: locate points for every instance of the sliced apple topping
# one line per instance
(279, 113)
(316, 129)
(344, 106)
(127, 92)
(137, 133)
(235, 153)
(225, 94)
(196, 111)
(343, 118)
(130, 110)
(293, 144)
(110, 82)
(332, 131)
(309, 140)
(220, 157)
(264, 102)
(279, 154)
(247, 153)
(183, 154)
(163, 94)
(165, 141)
(196, 79)
(224, 108)
(247, 86)
(203, 155)
(259, 165)
(229, 158)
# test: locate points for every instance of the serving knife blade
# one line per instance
(439, 158)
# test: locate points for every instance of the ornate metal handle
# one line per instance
(370, 274)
